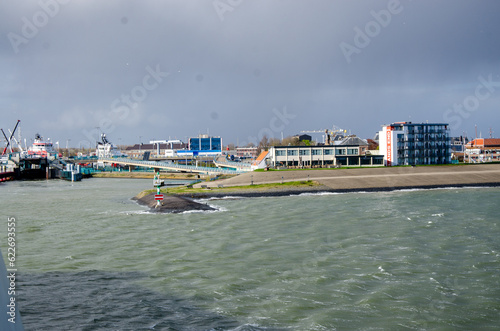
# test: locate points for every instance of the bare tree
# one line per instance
(274, 142)
(263, 144)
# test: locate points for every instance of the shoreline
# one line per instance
(275, 183)
(186, 202)
(279, 192)
(372, 178)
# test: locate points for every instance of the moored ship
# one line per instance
(42, 149)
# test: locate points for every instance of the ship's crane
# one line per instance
(6, 141)
(10, 139)
(328, 135)
(325, 136)
(104, 139)
(19, 146)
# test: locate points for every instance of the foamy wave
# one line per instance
(220, 198)
(442, 188)
(249, 327)
(217, 209)
(138, 212)
(411, 189)
(317, 193)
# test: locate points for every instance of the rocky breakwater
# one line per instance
(170, 203)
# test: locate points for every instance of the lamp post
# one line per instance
(98, 135)
(67, 149)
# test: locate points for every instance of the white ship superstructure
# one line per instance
(42, 149)
(107, 149)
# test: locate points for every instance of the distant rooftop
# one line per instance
(353, 141)
(410, 123)
(484, 142)
(155, 146)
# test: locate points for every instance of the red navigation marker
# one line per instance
(158, 197)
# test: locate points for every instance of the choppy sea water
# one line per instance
(89, 258)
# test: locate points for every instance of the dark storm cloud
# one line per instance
(228, 66)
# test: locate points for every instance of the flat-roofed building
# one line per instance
(248, 152)
(203, 145)
(321, 156)
(158, 149)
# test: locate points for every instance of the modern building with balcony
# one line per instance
(407, 143)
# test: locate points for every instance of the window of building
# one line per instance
(304, 152)
(316, 152)
(328, 152)
(280, 152)
(352, 151)
(211, 143)
(340, 152)
(292, 152)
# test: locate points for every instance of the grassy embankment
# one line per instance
(232, 189)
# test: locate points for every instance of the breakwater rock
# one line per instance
(171, 204)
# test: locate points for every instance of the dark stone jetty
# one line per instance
(171, 204)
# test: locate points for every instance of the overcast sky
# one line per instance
(143, 70)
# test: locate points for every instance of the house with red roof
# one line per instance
(482, 150)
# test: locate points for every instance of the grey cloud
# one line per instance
(228, 75)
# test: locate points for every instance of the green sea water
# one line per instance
(89, 258)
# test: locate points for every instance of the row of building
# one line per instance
(203, 145)
(399, 143)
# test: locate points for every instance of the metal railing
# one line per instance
(238, 165)
(170, 165)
